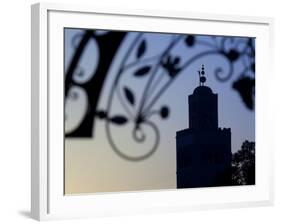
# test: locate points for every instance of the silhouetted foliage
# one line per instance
(243, 165)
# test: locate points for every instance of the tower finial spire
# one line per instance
(202, 78)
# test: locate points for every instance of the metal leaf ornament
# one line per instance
(171, 65)
(246, 88)
(129, 95)
(141, 49)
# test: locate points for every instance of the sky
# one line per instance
(91, 165)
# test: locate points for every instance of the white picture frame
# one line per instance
(47, 198)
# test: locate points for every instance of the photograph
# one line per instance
(149, 111)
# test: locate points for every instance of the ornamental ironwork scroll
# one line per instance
(138, 114)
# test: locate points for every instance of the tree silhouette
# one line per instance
(243, 165)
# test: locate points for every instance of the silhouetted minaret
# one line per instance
(203, 150)
(203, 106)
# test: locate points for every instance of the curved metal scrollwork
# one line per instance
(137, 114)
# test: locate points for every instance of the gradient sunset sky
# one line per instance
(92, 166)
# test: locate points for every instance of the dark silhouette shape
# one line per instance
(204, 149)
(108, 46)
(171, 65)
(166, 63)
(246, 88)
(243, 165)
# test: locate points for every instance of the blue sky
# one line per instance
(232, 112)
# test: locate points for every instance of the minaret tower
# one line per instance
(203, 149)
(203, 106)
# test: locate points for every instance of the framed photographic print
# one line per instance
(147, 111)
